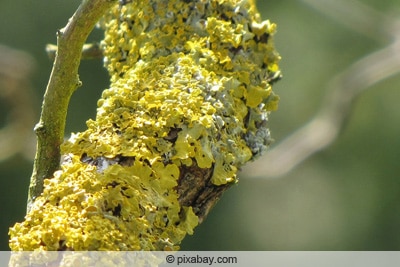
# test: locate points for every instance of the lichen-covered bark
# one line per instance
(187, 106)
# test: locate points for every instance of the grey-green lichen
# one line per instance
(190, 84)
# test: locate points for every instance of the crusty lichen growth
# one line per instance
(190, 86)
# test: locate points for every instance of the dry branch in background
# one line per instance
(341, 91)
(16, 136)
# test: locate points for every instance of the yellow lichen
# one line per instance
(190, 84)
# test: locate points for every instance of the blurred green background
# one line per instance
(346, 197)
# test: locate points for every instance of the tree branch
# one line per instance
(187, 106)
(63, 82)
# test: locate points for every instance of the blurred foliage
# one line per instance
(343, 198)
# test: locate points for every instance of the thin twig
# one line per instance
(342, 91)
(89, 51)
(63, 82)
